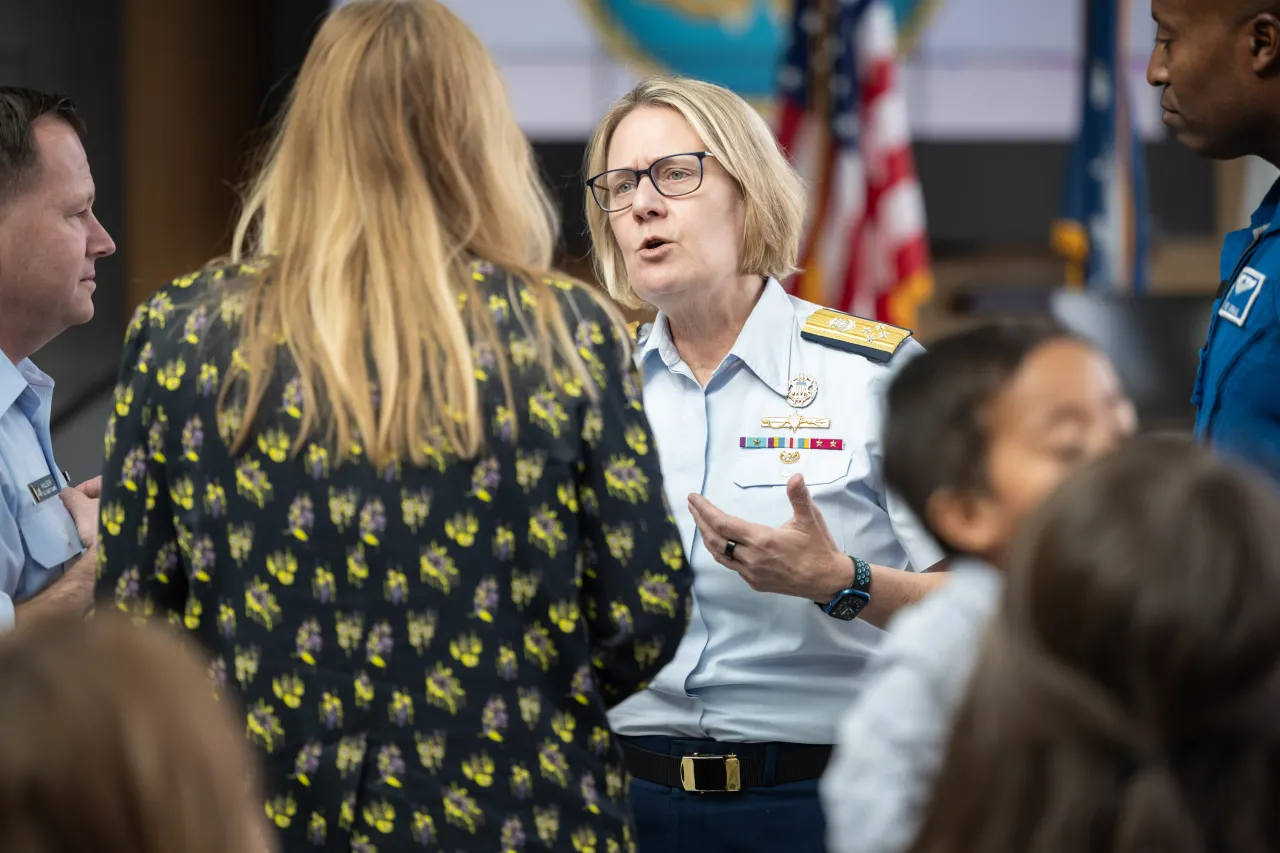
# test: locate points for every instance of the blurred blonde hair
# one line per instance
(743, 144)
(111, 740)
(397, 164)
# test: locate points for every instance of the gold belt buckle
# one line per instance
(732, 773)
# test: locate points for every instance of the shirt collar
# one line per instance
(1265, 216)
(16, 378)
(658, 340)
(763, 345)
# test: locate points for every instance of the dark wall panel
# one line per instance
(978, 195)
(289, 27)
(1004, 193)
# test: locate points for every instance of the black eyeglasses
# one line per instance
(673, 176)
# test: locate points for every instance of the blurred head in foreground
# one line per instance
(1128, 696)
(111, 740)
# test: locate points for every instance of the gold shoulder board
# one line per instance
(876, 341)
(638, 331)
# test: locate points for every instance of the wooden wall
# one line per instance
(192, 93)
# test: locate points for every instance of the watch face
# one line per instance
(849, 606)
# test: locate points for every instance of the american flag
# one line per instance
(844, 124)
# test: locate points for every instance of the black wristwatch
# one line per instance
(848, 603)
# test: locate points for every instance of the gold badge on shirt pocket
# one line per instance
(790, 447)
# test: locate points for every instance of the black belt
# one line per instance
(702, 773)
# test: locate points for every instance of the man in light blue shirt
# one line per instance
(49, 243)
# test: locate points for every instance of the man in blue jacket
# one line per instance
(1218, 62)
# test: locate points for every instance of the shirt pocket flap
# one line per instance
(49, 534)
(766, 468)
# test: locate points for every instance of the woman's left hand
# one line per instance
(799, 558)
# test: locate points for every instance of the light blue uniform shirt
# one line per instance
(754, 666)
(894, 738)
(36, 538)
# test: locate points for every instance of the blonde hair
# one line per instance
(397, 164)
(743, 144)
(111, 740)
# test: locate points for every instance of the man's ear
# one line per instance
(969, 522)
(1264, 43)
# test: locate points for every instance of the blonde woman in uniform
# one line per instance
(694, 211)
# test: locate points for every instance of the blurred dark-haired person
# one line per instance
(1217, 63)
(393, 470)
(111, 742)
(980, 428)
(49, 243)
(1127, 696)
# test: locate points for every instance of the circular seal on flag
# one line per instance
(736, 43)
(912, 17)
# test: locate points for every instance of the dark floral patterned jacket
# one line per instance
(425, 654)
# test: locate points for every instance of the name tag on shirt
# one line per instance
(44, 488)
(1240, 298)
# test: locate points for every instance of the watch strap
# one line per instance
(859, 587)
(861, 576)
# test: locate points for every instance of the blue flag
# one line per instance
(1103, 231)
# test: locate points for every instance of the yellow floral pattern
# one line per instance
(424, 655)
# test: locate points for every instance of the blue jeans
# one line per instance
(770, 819)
